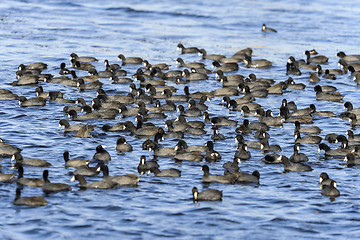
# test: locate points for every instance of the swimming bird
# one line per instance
(33, 201)
(210, 178)
(295, 167)
(317, 59)
(122, 145)
(258, 63)
(171, 172)
(181, 62)
(38, 101)
(204, 55)
(129, 60)
(101, 154)
(123, 180)
(330, 190)
(35, 162)
(298, 157)
(76, 162)
(207, 195)
(267, 29)
(324, 179)
(103, 184)
(82, 58)
(145, 166)
(348, 58)
(187, 50)
(307, 139)
(351, 160)
(339, 152)
(242, 177)
(324, 96)
(49, 187)
(32, 182)
(8, 149)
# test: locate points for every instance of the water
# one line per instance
(282, 206)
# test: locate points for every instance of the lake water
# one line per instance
(282, 206)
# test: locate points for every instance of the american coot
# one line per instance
(83, 66)
(330, 190)
(125, 180)
(298, 157)
(243, 153)
(324, 179)
(267, 29)
(292, 69)
(81, 86)
(82, 58)
(145, 166)
(74, 162)
(350, 108)
(340, 152)
(35, 162)
(226, 67)
(317, 59)
(182, 145)
(63, 69)
(32, 182)
(129, 60)
(181, 62)
(313, 78)
(204, 55)
(292, 85)
(329, 75)
(33, 66)
(84, 132)
(38, 101)
(217, 136)
(309, 129)
(242, 177)
(162, 66)
(352, 136)
(324, 96)
(351, 160)
(171, 172)
(295, 167)
(33, 201)
(348, 58)
(104, 184)
(122, 145)
(111, 67)
(7, 177)
(207, 195)
(193, 76)
(88, 171)
(6, 94)
(210, 178)
(8, 149)
(304, 111)
(219, 120)
(273, 158)
(101, 154)
(73, 127)
(307, 139)
(232, 166)
(211, 155)
(49, 187)
(185, 50)
(265, 146)
(259, 63)
(26, 80)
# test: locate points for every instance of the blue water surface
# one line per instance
(282, 206)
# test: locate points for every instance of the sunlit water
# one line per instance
(283, 205)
